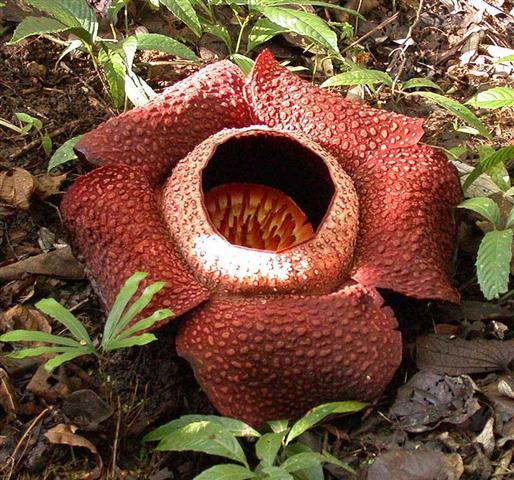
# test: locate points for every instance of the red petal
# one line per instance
(116, 228)
(265, 358)
(282, 100)
(154, 137)
(407, 232)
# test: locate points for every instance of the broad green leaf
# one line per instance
(315, 472)
(457, 109)
(493, 263)
(64, 357)
(485, 165)
(301, 461)
(276, 473)
(226, 472)
(268, 446)
(76, 14)
(420, 83)
(145, 323)
(219, 31)
(319, 413)
(244, 63)
(304, 24)
(162, 43)
(38, 351)
(120, 303)
(36, 336)
(486, 207)
(206, 437)
(509, 224)
(493, 98)
(262, 31)
(508, 58)
(55, 310)
(114, 71)
(36, 26)
(500, 176)
(358, 77)
(140, 340)
(64, 153)
(231, 425)
(328, 458)
(456, 152)
(184, 11)
(314, 3)
(278, 425)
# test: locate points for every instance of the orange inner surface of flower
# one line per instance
(257, 216)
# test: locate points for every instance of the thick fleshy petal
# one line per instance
(264, 358)
(347, 129)
(154, 137)
(116, 230)
(407, 231)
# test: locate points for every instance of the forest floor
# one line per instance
(457, 426)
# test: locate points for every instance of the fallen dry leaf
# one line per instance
(416, 465)
(428, 399)
(16, 187)
(456, 356)
(23, 318)
(47, 185)
(86, 409)
(57, 263)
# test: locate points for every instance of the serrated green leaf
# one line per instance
(36, 336)
(493, 263)
(233, 426)
(114, 71)
(318, 413)
(358, 77)
(267, 447)
(420, 83)
(487, 164)
(162, 43)
(36, 26)
(184, 11)
(493, 98)
(226, 472)
(262, 31)
(63, 358)
(304, 24)
(457, 109)
(55, 310)
(486, 207)
(220, 32)
(139, 340)
(64, 153)
(301, 461)
(244, 63)
(206, 437)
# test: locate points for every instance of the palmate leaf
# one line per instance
(486, 207)
(304, 24)
(36, 26)
(358, 77)
(184, 11)
(493, 263)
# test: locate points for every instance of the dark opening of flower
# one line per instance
(283, 207)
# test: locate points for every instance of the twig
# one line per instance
(387, 21)
(116, 439)
(35, 143)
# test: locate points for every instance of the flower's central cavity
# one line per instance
(266, 192)
(257, 216)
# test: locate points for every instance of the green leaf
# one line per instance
(493, 98)
(485, 165)
(508, 224)
(508, 58)
(36, 336)
(500, 176)
(314, 472)
(420, 83)
(114, 70)
(267, 447)
(276, 473)
(226, 472)
(64, 357)
(145, 323)
(486, 207)
(120, 303)
(36, 26)
(137, 90)
(231, 425)
(206, 437)
(244, 63)
(140, 340)
(315, 3)
(262, 31)
(358, 77)
(457, 109)
(319, 413)
(55, 310)
(493, 263)
(76, 14)
(64, 153)
(304, 24)
(301, 461)
(29, 120)
(46, 143)
(183, 10)
(38, 351)
(278, 425)
(328, 458)
(162, 43)
(219, 31)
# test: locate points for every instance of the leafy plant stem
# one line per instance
(94, 61)
(241, 31)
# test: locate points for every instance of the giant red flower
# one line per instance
(273, 210)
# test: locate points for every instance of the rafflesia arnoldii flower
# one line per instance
(273, 210)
